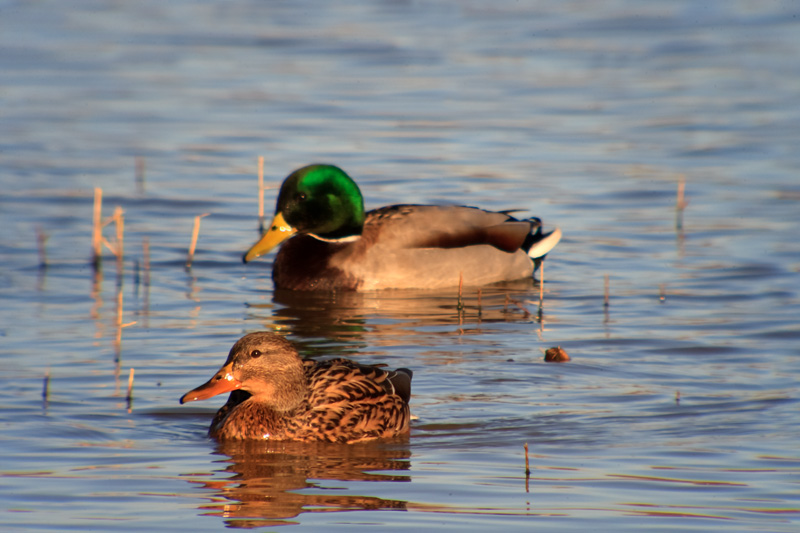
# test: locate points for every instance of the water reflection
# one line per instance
(380, 318)
(273, 482)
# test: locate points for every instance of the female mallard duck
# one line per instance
(333, 244)
(278, 396)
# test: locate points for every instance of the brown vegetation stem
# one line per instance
(97, 241)
(130, 386)
(41, 239)
(119, 219)
(527, 464)
(261, 193)
(195, 235)
(680, 203)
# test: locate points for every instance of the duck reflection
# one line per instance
(384, 318)
(272, 482)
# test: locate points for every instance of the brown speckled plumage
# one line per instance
(278, 396)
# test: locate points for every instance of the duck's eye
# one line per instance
(255, 353)
(302, 197)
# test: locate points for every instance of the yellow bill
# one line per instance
(278, 232)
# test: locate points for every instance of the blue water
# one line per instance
(679, 408)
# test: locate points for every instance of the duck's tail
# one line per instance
(401, 383)
(538, 244)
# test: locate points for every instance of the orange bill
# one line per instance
(279, 230)
(223, 381)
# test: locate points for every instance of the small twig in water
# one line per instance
(140, 166)
(680, 203)
(540, 311)
(46, 387)
(119, 220)
(460, 287)
(261, 193)
(146, 256)
(41, 239)
(524, 309)
(97, 237)
(129, 396)
(527, 464)
(195, 235)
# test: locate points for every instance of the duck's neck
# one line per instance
(282, 396)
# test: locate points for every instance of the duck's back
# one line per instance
(411, 247)
(349, 402)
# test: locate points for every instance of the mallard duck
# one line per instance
(277, 395)
(333, 244)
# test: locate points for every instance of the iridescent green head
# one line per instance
(323, 200)
(318, 199)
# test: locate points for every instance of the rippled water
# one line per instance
(679, 408)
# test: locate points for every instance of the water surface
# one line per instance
(679, 408)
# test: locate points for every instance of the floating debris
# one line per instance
(556, 354)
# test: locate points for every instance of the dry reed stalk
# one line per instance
(525, 313)
(41, 239)
(527, 464)
(146, 254)
(195, 235)
(140, 168)
(118, 322)
(527, 470)
(680, 203)
(480, 306)
(460, 287)
(605, 296)
(129, 396)
(541, 284)
(46, 387)
(261, 193)
(97, 237)
(119, 220)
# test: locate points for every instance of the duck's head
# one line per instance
(318, 200)
(265, 365)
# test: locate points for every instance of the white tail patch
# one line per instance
(547, 243)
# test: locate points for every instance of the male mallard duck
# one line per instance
(278, 396)
(333, 244)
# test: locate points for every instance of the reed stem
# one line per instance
(195, 235)
(261, 193)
